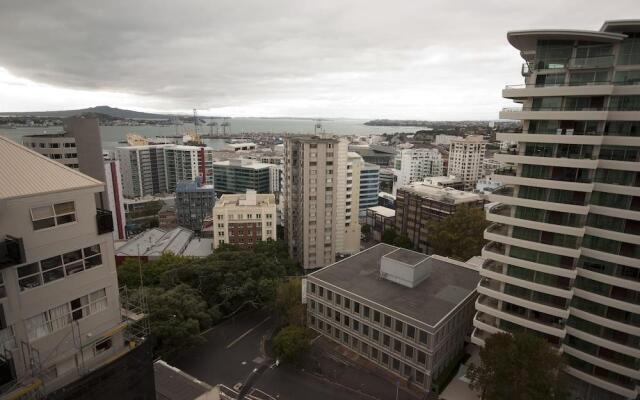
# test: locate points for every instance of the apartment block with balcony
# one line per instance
(413, 165)
(403, 311)
(421, 202)
(466, 158)
(194, 203)
(369, 187)
(244, 219)
(61, 325)
(563, 261)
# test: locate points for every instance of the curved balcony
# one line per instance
(495, 270)
(601, 362)
(506, 214)
(489, 305)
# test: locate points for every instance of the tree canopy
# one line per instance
(291, 343)
(288, 302)
(518, 367)
(214, 287)
(389, 236)
(460, 235)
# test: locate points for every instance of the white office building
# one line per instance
(412, 165)
(465, 160)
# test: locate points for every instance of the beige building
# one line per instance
(404, 311)
(60, 313)
(244, 219)
(321, 197)
(563, 261)
(465, 160)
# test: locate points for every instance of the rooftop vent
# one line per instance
(405, 267)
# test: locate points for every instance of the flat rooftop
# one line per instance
(429, 302)
(384, 211)
(174, 384)
(439, 193)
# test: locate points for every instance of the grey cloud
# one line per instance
(360, 57)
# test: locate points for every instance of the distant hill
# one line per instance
(100, 111)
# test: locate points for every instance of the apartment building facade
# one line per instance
(61, 322)
(420, 203)
(412, 165)
(80, 147)
(321, 186)
(368, 303)
(155, 169)
(194, 203)
(563, 261)
(465, 160)
(244, 219)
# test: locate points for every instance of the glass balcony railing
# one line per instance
(509, 171)
(504, 191)
(495, 247)
(499, 229)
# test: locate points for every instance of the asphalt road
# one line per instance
(232, 351)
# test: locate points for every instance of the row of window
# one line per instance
(244, 216)
(57, 267)
(53, 215)
(373, 353)
(61, 316)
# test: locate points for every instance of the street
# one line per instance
(232, 352)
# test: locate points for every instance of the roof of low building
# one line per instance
(384, 211)
(439, 193)
(23, 173)
(174, 384)
(154, 242)
(449, 284)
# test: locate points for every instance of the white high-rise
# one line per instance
(413, 165)
(563, 261)
(465, 160)
(321, 192)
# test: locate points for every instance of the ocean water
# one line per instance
(111, 135)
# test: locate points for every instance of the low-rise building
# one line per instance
(194, 202)
(241, 174)
(380, 219)
(446, 181)
(421, 202)
(244, 219)
(240, 146)
(406, 312)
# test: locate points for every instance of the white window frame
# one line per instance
(54, 215)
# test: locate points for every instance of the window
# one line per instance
(59, 317)
(338, 299)
(50, 216)
(422, 357)
(397, 345)
(329, 295)
(395, 364)
(376, 316)
(345, 320)
(399, 326)
(386, 340)
(387, 321)
(356, 325)
(356, 307)
(57, 267)
(411, 331)
(347, 303)
(408, 352)
(103, 345)
(422, 337)
(313, 287)
(375, 335)
(365, 311)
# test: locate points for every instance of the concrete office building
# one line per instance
(194, 202)
(62, 330)
(563, 257)
(403, 311)
(244, 219)
(320, 194)
(465, 160)
(242, 174)
(380, 219)
(420, 202)
(412, 165)
(155, 169)
(369, 187)
(80, 147)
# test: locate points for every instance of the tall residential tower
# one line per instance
(563, 261)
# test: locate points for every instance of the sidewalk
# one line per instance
(344, 367)
(458, 388)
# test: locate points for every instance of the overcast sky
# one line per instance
(423, 59)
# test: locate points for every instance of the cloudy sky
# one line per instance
(420, 59)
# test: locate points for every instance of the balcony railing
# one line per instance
(104, 221)
(499, 229)
(504, 191)
(495, 247)
(509, 171)
(501, 209)
(11, 252)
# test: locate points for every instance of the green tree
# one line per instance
(291, 343)
(177, 317)
(389, 236)
(288, 302)
(518, 367)
(366, 230)
(129, 271)
(402, 241)
(460, 235)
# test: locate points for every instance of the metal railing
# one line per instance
(592, 62)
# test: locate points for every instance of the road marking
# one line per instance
(239, 338)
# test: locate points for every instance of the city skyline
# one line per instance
(355, 60)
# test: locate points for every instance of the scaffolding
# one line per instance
(134, 311)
